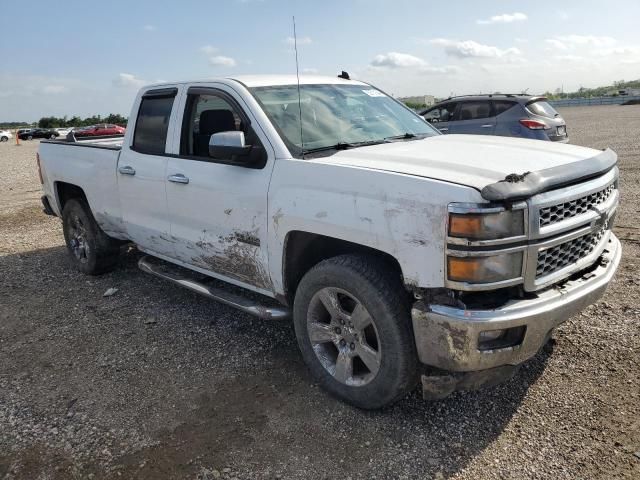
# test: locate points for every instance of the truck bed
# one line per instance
(112, 142)
(91, 164)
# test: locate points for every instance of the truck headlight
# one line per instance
(486, 226)
(485, 269)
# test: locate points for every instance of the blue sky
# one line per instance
(73, 58)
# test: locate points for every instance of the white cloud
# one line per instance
(54, 89)
(208, 49)
(397, 60)
(310, 71)
(504, 18)
(521, 40)
(301, 41)
(127, 80)
(149, 28)
(569, 42)
(557, 44)
(217, 60)
(471, 49)
(222, 61)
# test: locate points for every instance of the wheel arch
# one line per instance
(65, 191)
(303, 250)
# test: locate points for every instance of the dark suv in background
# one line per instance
(523, 116)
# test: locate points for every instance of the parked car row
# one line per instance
(523, 116)
(103, 129)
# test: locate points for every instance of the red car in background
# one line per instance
(99, 130)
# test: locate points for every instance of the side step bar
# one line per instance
(247, 305)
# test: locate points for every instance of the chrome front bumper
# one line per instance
(447, 337)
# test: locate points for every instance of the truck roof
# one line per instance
(271, 80)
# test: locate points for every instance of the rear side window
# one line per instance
(501, 106)
(543, 109)
(473, 110)
(152, 124)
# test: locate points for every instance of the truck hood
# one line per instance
(482, 162)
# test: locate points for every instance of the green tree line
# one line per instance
(75, 121)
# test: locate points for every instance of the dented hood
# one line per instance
(483, 162)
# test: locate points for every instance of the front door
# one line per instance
(142, 174)
(218, 206)
(441, 115)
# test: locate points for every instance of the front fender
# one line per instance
(401, 215)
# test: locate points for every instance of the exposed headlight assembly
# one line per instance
(492, 268)
(473, 263)
(485, 224)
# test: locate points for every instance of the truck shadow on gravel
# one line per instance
(157, 382)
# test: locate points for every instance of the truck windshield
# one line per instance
(336, 117)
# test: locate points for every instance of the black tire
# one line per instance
(52, 137)
(4, 139)
(91, 250)
(370, 282)
(29, 137)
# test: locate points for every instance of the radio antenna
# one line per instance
(295, 46)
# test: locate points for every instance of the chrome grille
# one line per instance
(562, 211)
(556, 258)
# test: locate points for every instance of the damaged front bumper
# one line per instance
(449, 338)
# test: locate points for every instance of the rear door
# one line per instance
(218, 206)
(474, 117)
(142, 174)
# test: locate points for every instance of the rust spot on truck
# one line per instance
(235, 255)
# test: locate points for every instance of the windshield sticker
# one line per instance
(374, 93)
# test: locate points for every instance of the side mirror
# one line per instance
(226, 145)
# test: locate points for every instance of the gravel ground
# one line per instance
(156, 382)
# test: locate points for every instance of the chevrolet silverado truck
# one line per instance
(400, 254)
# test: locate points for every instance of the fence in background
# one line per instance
(581, 102)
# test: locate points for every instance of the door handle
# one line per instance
(178, 178)
(127, 170)
(487, 126)
(444, 129)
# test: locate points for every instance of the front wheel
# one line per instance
(352, 322)
(52, 137)
(91, 250)
(30, 137)
(4, 139)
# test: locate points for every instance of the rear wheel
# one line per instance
(91, 250)
(52, 137)
(4, 139)
(352, 322)
(29, 137)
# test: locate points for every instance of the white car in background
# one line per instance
(63, 131)
(5, 135)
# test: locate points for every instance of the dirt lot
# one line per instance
(155, 382)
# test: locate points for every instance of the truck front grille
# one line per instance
(556, 258)
(562, 211)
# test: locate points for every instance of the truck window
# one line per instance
(150, 135)
(206, 114)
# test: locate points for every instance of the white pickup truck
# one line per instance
(398, 252)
